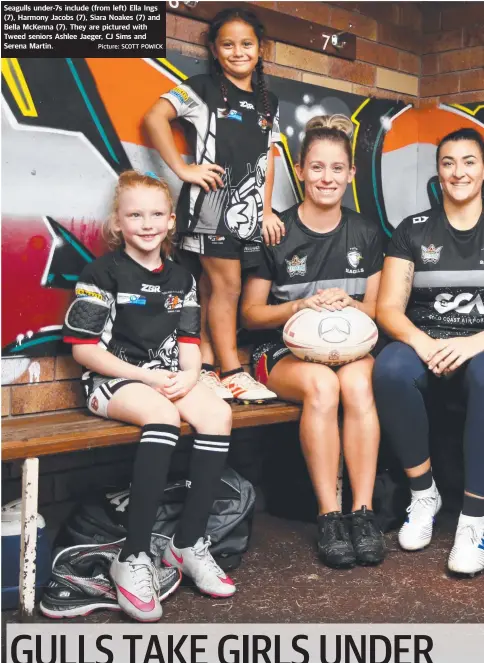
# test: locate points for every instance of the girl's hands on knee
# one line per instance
(159, 379)
(180, 384)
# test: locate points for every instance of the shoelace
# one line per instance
(337, 529)
(420, 501)
(143, 578)
(474, 535)
(246, 380)
(202, 552)
(210, 378)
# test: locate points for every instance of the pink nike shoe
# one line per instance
(137, 586)
(199, 565)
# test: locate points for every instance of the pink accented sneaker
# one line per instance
(199, 565)
(245, 389)
(137, 586)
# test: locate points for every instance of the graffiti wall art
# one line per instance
(70, 126)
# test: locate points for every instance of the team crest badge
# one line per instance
(263, 123)
(354, 256)
(173, 303)
(296, 266)
(431, 254)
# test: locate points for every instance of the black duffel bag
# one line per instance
(103, 519)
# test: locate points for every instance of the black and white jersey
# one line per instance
(306, 261)
(239, 142)
(447, 297)
(138, 315)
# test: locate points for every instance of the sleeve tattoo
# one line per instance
(408, 283)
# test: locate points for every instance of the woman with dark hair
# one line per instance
(431, 302)
(225, 201)
(330, 257)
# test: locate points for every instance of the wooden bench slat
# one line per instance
(36, 435)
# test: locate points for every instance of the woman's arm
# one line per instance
(256, 313)
(368, 305)
(395, 289)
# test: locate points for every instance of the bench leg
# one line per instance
(28, 541)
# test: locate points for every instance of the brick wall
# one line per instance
(453, 53)
(387, 49)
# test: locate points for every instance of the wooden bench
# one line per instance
(32, 436)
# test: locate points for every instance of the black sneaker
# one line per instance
(334, 542)
(368, 541)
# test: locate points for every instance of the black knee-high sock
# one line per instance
(207, 462)
(149, 480)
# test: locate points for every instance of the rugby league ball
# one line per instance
(330, 337)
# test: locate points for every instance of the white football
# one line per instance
(330, 337)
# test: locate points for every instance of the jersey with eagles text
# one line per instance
(238, 141)
(134, 313)
(306, 261)
(447, 297)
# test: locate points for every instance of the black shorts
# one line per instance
(223, 246)
(266, 356)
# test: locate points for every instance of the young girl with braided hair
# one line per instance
(224, 208)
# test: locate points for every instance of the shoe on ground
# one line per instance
(467, 554)
(368, 541)
(335, 547)
(416, 532)
(80, 582)
(245, 389)
(198, 564)
(136, 582)
(169, 579)
(212, 380)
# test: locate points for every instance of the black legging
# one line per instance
(401, 380)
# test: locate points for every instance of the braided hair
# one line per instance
(238, 14)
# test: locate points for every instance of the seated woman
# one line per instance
(431, 303)
(310, 268)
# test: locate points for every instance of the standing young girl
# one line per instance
(225, 201)
(135, 326)
(330, 257)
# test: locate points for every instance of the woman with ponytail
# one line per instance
(224, 208)
(330, 257)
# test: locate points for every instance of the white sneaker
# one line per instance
(245, 389)
(467, 555)
(137, 586)
(212, 380)
(416, 532)
(199, 565)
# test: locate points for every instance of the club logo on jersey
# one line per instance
(216, 239)
(231, 115)
(354, 257)
(146, 287)
(247, 104)
(263, 123)
(173, 303)
(127, 298)
(431, 254)
(296, 266)
(465, 302)
(420, 219)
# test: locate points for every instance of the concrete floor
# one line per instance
(281, 580)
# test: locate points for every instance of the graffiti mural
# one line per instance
(70, 126)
